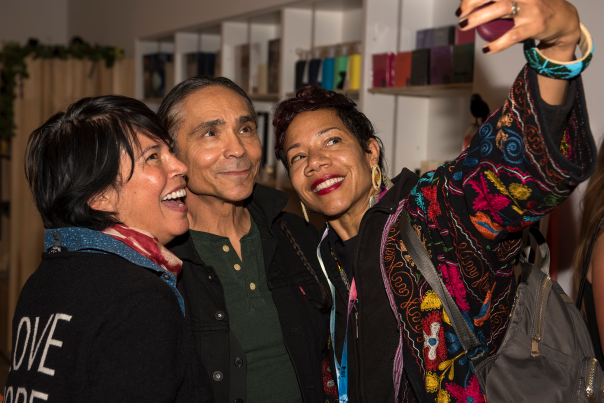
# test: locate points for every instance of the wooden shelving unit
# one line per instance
(265, 97)
(354, 94)
(426, 91)
(414, 123)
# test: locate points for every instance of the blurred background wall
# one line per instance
(23, 19)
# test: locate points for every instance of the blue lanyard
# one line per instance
(341, 369)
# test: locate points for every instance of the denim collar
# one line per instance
(77, 239)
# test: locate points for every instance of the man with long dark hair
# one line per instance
(250, 274)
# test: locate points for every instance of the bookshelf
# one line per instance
(426, 91)
(415, 123)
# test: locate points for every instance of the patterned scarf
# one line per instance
(147, 245)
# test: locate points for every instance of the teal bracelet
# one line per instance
(560, 70)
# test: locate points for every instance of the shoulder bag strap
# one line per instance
(475, 351)
(586, 266)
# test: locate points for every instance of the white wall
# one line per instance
(119, 22)
(45, 20)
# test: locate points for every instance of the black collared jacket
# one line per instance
(373, 334)
(295, 293)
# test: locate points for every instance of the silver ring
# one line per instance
(515, 9)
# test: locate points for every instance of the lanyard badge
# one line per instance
(341, 368)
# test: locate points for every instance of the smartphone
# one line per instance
(494, 29)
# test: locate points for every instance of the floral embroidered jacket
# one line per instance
(469, 214)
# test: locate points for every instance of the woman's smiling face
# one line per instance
(152, 199)
(328, 168)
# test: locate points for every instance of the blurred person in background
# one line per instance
(101, 320)
(591, 225)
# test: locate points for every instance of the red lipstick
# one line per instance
(327, 189)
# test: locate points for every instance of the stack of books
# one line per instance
(335, 67)
(443, 56)
(201, 64)
(158, 75)
(255, 75)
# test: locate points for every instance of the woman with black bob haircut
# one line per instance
(101, 319)
(392, 339)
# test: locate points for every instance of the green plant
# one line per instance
(12, 60)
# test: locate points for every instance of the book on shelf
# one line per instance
(274, 58)
(301, 67)
(154, 74)
(218, 65)
(170, 79)
(314, 70)
(328, 69)
(263, 78)
(191, 64)
(424, 38)
(464, 37)
(463, 63)
(420, 67)
(200, 64)
(340, 72)
(441, 65)
(354, 62)
(242, 66)
(382, 70)
(254, 63)
(207, 64)
(444, 36)
(402, 69)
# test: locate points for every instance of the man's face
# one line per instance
(218, 143)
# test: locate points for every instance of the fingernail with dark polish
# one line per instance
(486, 49)
(458, 12)
(463, 24)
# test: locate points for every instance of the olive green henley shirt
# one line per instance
(252, 315)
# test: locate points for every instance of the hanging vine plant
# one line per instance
(12, 60)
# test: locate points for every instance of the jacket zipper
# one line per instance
(537, 336)
(513, 306)
(360, 392)
(589, 387)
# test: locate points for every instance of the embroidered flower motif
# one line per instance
(505, 120)
(432, 384)
(485, 310)
(431, 301)
(443, 397)
(485, 225)
(565, 146)
(500, 139)
(470, 394)
(455, 286)
(520, 191)
(501, 187)
(486, 201)
(435, 350)
(429, 193)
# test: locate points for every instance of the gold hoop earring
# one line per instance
(376, 177)
(304, 211)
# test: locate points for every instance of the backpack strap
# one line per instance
(474, 350)
(543, 250)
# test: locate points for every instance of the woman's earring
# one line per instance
(304, 211)
(376, 177)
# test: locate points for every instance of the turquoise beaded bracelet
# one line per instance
(560, 70)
